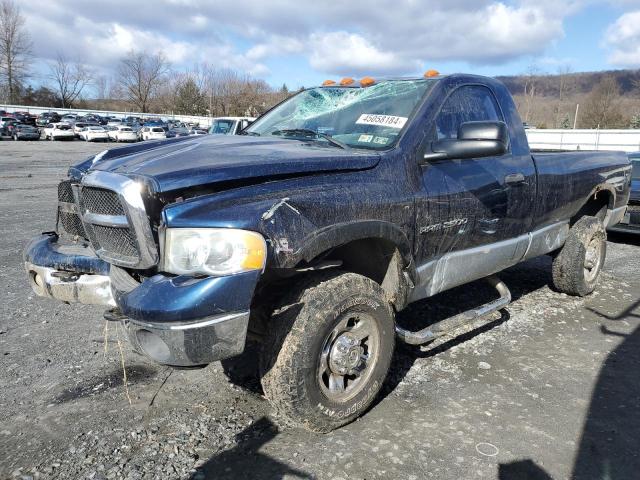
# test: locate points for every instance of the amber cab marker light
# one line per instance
(347, 81)
(431, 73)
(367, 81)
(328, 83)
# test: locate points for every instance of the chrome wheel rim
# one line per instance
(592, 259)
(348, 357)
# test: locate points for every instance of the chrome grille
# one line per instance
(71, 223)
(113, 214)
(101, 201)
(107, 225)
(116, 240)
(65, 194)
(68, 216)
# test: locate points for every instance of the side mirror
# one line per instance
(475, 140)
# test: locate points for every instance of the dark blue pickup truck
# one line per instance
(308, 232)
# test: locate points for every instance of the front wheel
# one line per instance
(577, 266)
(328, 350)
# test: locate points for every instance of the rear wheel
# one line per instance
(577, 266)
(328, 350)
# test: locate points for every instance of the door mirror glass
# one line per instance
(474, 140)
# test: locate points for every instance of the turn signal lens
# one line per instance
(431, 73)
(328, 83)
(347, 81)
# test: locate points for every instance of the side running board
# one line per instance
(445, 326)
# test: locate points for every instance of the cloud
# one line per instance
(355, 37)
(622, 38)
(347, 53)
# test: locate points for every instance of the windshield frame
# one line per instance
(410, 118)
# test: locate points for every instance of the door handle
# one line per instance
(514, 179)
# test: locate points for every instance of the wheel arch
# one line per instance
(375, 249)
(600, 203)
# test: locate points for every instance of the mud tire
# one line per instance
(298, 330)
(569, 270)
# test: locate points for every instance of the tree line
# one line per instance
(585, 100)
(143, 82)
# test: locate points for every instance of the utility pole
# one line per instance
(575, 119)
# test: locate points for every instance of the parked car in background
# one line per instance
(46, 118)
(198, 131)
(122, 133)
(9, 127)
(631, 221)
(114, 121)
(230, 125)
(6, 119)
(25, 118)
(25, 132)
(78, 126)
(177, 132)
(94, 133)
(152, 133)
(69, 118)
(58, 131)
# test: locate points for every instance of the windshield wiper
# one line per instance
(253, 134)
(308, 132)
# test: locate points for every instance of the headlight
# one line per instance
(212, 251)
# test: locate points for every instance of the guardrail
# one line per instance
(202, 121)
(622, 140)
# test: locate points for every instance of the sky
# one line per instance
(302, 43)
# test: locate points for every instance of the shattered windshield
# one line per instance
(370, 117)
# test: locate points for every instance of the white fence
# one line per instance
(623, 140)
(202, 121)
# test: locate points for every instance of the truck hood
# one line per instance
(188, 161)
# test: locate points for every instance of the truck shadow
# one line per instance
(621, 237)
(609, 445)
(245, 460)
(610, 441)
(97, 385)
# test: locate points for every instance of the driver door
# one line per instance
(469, 203)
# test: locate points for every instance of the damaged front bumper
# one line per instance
(174, 320)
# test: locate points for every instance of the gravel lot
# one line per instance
(546, 389)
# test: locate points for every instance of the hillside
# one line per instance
(607, 99)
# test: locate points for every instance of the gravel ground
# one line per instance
(546, 389)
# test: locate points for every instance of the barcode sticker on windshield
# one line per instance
(381, 120)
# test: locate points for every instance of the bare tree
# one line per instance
(530, 85)
(602, 107)
(101, 83)
(15, 49)
(140, 76)
(564, 76)
(70, 79)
